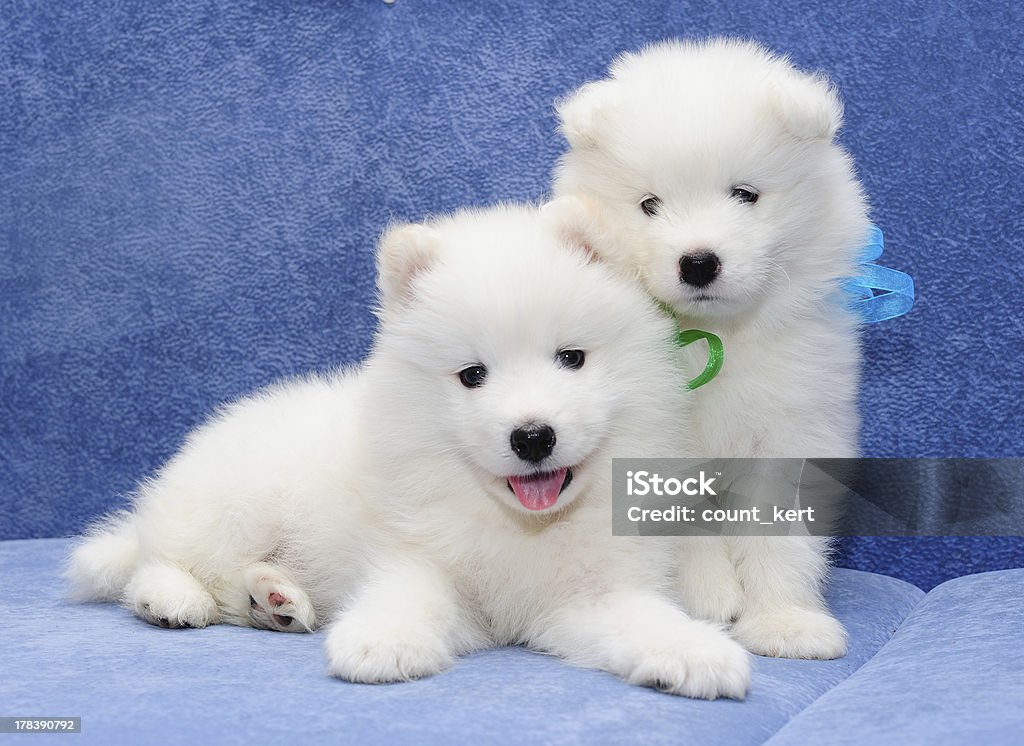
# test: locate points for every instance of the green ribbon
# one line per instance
(716, 354)
(716, 350)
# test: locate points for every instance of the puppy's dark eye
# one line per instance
(745, 193)
(473, 376)
(650, 205)
(571, 359)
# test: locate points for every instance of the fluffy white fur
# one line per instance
(383, 493)
(687, 123)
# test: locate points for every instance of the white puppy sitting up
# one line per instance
(725, 193)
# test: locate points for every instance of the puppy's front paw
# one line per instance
(384, 650)
(791, 632)
(704, 663)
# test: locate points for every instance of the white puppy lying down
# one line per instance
(452, 494)
(727, 195)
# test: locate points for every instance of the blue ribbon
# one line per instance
(879, 293)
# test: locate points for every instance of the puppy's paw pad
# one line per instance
(384, 653)
(792, 633)
(278, 605)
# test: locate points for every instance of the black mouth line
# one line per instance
(540, 475)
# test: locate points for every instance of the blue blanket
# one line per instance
(190, 194)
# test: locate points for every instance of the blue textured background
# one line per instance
(189, 196)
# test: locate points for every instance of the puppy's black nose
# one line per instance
(533, 442)
(699, 269)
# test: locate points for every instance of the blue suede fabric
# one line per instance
(134, 683)
(952, 674)
(190, 193)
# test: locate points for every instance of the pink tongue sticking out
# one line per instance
(538, 491)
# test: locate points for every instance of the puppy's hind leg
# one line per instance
(168, 596)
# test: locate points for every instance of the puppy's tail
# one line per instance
(102, 564)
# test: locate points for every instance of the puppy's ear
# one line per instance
(808, 105)
(578, 222)
(403, 252)
(581, 112)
